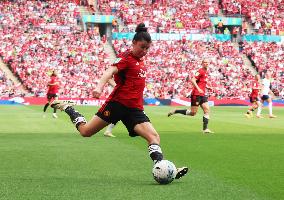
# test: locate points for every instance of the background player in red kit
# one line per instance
(125, 103)
(254, 96)
(52, 92)
(198, 97)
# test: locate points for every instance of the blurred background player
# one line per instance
(108, 132)
(266, 92)
(125, 103)
(52, 92)
(198, 97)
(254, 96)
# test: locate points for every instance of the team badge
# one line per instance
(117, 60)
(106, 113)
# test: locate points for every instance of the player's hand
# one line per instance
(97, 93)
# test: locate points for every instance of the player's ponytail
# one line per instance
(141, 33)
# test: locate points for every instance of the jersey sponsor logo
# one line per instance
(142, 73)
(117, 60)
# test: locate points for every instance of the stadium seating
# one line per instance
(7, 87)
(163, 16)
(50, 39)
(33, 50)
(264, 15)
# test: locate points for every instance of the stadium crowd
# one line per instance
(32, 51)
(264, 15)
(7, 87)
(37, 37)
(163, 16)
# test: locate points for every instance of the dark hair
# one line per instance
(141, 33)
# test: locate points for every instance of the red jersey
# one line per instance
(201, 80)
(255, 90)
(130, 81)
(53, 89)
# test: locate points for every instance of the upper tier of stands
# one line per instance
(262, 14)
(163, 16)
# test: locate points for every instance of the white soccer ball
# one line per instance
(164, 172)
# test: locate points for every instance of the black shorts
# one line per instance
(113, 111)
(51, 96)
(253, 99)
(198, 100)
(265, 97)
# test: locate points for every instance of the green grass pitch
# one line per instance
(45, 158)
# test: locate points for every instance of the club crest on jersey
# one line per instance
(137, 63)
(106, 113)
(117, 60)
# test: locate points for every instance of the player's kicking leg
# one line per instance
(66, 106)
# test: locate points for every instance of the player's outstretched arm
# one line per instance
(112, 82)
(107, 75)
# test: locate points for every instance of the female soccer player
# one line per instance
(52, 93)
(125, 103)
(254, 96)
(198, 97)
(266, 83)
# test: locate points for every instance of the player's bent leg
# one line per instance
(92, 127)
(85, 129)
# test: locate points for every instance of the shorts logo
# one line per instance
(106, 113)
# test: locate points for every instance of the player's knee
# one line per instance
(85, 132)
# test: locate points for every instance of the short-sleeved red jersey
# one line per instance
(130, 81)
(53, 89)
(255, 90)
(201, 80)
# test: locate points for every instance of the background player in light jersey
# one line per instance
(108, 132)
(125, 103)
(254, 96)
(198, 97)
(266, 92)
(52, 92)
